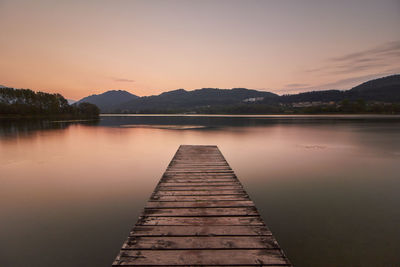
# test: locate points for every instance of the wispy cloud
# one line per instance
(122, 80)
(381, 57)
(348, 70)
(383, 51)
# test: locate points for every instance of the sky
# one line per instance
(78, 48)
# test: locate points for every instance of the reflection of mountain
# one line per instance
(241, 100)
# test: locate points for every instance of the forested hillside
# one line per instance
(25, 102)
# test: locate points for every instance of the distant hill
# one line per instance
(2, 86)
(109, 100)
(242, 100)
(386, 89)
(313, 96)
(182, 100)
(71, 101)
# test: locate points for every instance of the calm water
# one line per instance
(328, 188)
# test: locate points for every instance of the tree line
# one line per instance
(25, 102)
(343, 107)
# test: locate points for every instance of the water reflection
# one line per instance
(70, 191)
(27, 127)
(217, 121)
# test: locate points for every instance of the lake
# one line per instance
(327, 186)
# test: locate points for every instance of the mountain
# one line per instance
(386, 89)
(242, 100)
(71, 101)
(181, 100)
(109, 100)
(313, 96)
(2, 86)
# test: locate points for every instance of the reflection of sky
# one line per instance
(321, 187)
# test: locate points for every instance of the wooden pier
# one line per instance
(200, 215)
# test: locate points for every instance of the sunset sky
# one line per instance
(78, 48)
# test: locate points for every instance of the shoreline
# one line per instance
(64, 116)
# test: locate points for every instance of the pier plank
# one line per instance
(200, 183)
(200, 193)
(191, 220)
(255, 257)
(163, 187)
(199, 204)
(202, 179)
(200, 198)
(208, 211)
(202, 230)
(201, 242)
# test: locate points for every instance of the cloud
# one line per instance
(376, 59)
(122, 80)
(348, 70)
(383, 51)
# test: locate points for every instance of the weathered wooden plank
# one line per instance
(201, 242)
(190, 172)
(199, 167)
(254, 257)
(200, 175)
(199, 230)
(200, 184)
(228, 220)
(206, 169)
(199, 198)
(199, 204)
(208, 156)
(162, 187)
(200, 193)
(203, 160)
(199, 164)
(197, 181)
(188, 212)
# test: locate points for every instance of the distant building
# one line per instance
(311, 104)
(253, 99)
